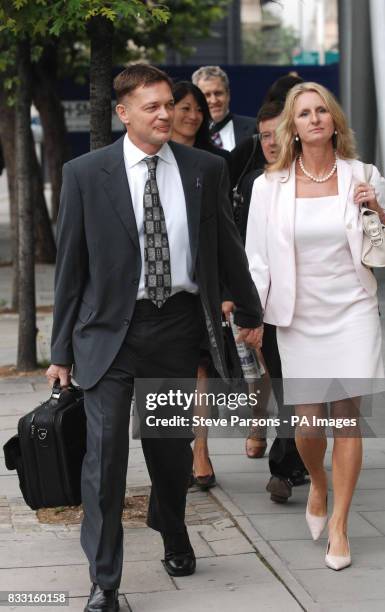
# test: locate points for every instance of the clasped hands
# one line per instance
(251, 336)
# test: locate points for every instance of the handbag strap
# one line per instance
(368, 172)
(248, 163)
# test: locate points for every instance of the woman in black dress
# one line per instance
(191, 128)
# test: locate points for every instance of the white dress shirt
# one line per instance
(174, 206)
(227, 136)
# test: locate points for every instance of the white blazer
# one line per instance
(270, 235)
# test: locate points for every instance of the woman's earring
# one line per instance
(335, 132)
(296, 138)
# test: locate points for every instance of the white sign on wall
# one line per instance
(77, 116)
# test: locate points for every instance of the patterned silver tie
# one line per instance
(157, 266)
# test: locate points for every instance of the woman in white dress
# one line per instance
(304, 240)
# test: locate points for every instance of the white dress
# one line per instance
(335, 335)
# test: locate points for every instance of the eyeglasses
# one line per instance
(266, 136)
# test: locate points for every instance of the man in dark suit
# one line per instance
(145, 241)
(227, 129)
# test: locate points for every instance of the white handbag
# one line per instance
(373, 242)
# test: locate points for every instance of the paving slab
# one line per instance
(211, 533)
(270, 597)
(31, 538)
(9, 424)
(139, 576)
(362, 605)
(56, 552)
(18, 404)
(376, 518)
(11, 386)
(235, 546)
(240, 464)
(9, 485)
(250, 503)
(352, 584)
(75, 604)
(366, 500)
(228, 571)
(306, 554)
(227, 446)
(371, 478)
(294, 527)
(146, 545)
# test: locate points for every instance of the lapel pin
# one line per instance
(198, 183)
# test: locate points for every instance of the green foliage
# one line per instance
(143, 29)
(39, 18)
(65, 23)
(189, 20)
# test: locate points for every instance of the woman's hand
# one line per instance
(364, 193)
(252, 337)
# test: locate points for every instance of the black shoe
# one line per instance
(102, 601)
(299, 477)
(179, 557)
(279, 489)
(206, 482)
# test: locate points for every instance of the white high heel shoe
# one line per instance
(338, 562)
(315, 523)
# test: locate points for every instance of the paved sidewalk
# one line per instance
(252, 554)
(230, 574)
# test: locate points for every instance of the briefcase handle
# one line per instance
(57, 390)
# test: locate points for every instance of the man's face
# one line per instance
(267, 137)
(148, 114)
(217, 96)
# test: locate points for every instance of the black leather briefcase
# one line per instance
(48, 450)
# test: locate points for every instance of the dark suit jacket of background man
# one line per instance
(244, 127)
(99, 261)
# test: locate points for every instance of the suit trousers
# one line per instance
(284, 458)
(160, 343)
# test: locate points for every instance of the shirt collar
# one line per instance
(133, 155)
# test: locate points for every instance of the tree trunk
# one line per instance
(7, 138)
(100, 31)
(45, 247)
(26, 350)
(48, 103)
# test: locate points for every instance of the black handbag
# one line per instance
(48, 450)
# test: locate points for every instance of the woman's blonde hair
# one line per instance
(289, 149)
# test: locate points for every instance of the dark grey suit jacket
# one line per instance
(99, 263)
(244, 127)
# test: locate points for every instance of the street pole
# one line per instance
(301, 26)
(320, 21)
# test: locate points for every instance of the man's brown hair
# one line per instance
(269, 110)
(138, 75)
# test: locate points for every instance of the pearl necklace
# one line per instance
(315, 178)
